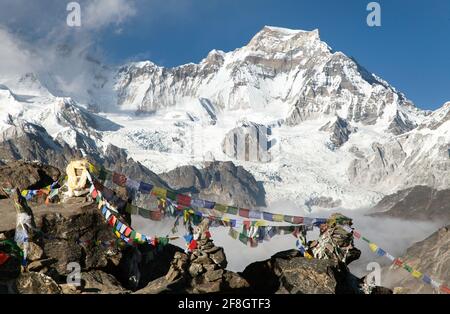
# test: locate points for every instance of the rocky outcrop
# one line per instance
(27, 175)
(248, 142)
(416, 203)
(220, 182)
(340, 131)
(203, 270)
(289, 273)
(430, 256)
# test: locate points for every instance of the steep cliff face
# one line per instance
(430, 256)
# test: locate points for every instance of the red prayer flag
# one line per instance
(445, 289)
(3, 258)
(398, 262)
(356, 234)
(94, 194)
(127, 232)
(297, 220)
(207, 234)
(244, 213)
(184, 200)
(192, 245)
(112, 221)
(247, 224)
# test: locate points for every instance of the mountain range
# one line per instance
(315, 128)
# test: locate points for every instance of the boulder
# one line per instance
(36, 283)
(97, 281)
(25, 175)
(289, 273)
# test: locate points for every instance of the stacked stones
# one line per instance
(335, 242)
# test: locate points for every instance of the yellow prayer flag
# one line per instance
(307, 255)
(159, 192)
(416, 274)
(373, 247)
(278, 218)
(138, 237)
(117, 234)
(261, 223)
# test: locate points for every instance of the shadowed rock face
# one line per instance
(288, 272)
(340, 131)
(417, 203)
(430, 256)
(220, 182)
(27, 175)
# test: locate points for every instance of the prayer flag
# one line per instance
(356, 234)
(145, 188)
(278, 218)
(3, 258)
(171, 195)
(232, 210)
(244, 212)
(398, 262)
(243, 238)
(267, 216)
(373, 247)
(119, 179)
(192, 245)
(145, 213)
(94, 194)
(254, 214)
(159, 192)
(127, 232)
(122, 229)
(445, 289)
(408, 268)
(184, 200)
(426, 279)
(416, 274)
(380, 252)
(220, 208)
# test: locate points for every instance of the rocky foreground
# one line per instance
(75, 232)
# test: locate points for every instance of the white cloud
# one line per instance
(97, 14)
(14, 55)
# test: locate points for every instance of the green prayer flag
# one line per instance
(365, 239)
(163, 241)
(220, 208)
(232, 210)
(171, 195)
(243, 238)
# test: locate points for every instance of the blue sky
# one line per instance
(410, 50)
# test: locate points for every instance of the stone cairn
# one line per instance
(204, 266)
(334, 241)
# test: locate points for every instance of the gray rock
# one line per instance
(221, 182)
(34, 252)
(100, 282)
(219, 258)
(36, 283)
(214, 275)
